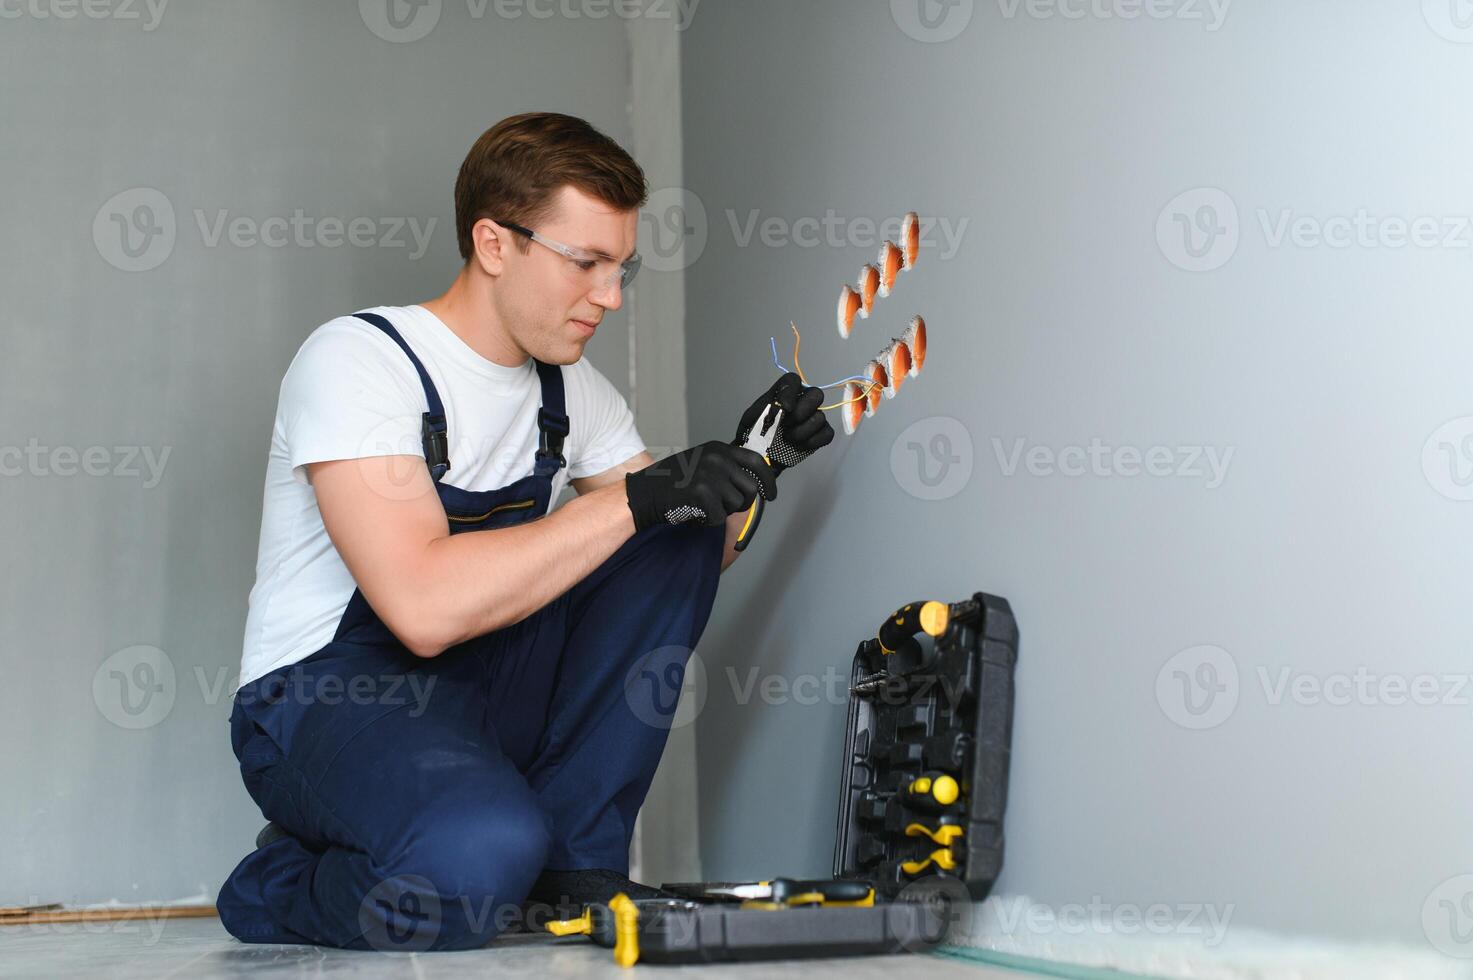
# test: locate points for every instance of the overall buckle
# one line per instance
(435, 436)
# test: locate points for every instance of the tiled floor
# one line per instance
(200, 948)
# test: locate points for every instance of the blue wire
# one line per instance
(779, 365)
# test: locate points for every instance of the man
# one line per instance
(434, 711)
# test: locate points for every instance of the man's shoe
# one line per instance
(564, 894)
(269, 833)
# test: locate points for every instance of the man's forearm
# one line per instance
(734, 524)
(480, 582)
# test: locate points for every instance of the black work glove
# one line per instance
(803, 429)
(706, 483)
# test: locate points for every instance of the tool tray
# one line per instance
(922, 792)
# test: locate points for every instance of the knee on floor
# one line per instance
(469, 871)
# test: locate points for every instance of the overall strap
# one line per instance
(433, 432)
(552, 421)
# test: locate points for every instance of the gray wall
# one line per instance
(256, 109)
(1327, 372)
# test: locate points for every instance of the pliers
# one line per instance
(759, 440)
(785, 892)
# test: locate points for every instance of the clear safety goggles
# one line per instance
(596, 268)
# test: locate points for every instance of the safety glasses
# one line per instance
(597, 268)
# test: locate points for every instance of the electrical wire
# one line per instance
(869, 383)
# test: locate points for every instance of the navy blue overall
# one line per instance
(422, 797)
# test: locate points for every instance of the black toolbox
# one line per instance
(921, 800)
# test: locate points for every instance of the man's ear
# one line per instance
(490, 242)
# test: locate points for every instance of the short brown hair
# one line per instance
(517, 165)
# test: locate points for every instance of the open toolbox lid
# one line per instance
(924, 778)
(921, 801)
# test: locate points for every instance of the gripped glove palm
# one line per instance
(803, 429)
(705, 484)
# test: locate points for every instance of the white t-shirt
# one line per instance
(351, 392)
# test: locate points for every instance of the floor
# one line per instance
(200, 948)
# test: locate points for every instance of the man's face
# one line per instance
(550, 303)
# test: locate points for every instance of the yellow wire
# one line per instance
(797, 342)
(864, 396)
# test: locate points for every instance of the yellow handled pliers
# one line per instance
(759, 440)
